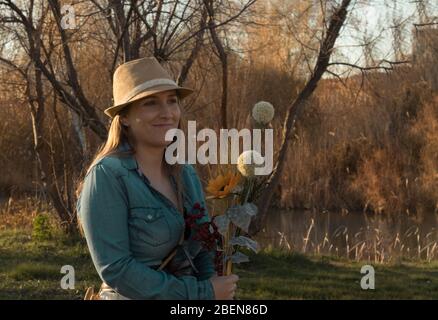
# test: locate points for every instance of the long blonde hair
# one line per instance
(119, 134)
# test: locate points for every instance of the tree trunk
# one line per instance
(42, 150)
(224, 61)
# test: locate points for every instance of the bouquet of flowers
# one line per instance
(234, 194)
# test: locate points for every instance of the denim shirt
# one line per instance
(130, 228)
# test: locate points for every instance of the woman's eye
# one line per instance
(153, 102)
(149, 103)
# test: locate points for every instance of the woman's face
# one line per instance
(151, 117)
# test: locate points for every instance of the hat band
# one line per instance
(146, 85)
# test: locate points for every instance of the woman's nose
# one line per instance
(166, 110)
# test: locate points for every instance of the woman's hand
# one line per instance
(224, 286)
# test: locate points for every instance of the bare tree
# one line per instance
(45, 55)
(336, 22)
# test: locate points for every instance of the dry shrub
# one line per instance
(370, 147)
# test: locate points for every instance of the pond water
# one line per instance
(355, 235)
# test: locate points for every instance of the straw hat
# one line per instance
(140, 78)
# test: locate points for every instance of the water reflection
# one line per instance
(354, 235)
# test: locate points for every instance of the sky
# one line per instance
(375, 20)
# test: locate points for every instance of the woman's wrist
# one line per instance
(209, 293)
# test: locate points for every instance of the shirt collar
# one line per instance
(130, 163)
(128, 160)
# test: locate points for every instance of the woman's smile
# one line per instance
(165, 125)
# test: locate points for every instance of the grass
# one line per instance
(30, 269)
(278, 275)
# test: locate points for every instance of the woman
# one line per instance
(132, 203)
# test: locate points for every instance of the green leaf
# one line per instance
(245, 242)
(222, 223)
(238, 257)
(241, 215)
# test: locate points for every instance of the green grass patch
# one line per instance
(30, 269)
(278, 275)
(37, 271)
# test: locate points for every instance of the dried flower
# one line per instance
(205, 232)
(263, 112)
(248, 161)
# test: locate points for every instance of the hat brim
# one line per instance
(182, 93)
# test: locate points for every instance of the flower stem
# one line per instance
(248, 190)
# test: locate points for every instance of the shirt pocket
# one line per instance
(149, 225)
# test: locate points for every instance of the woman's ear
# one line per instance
(123, 116)
(124, 121)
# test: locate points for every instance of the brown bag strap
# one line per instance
(180, 207)
(180, 200)
(172, 254)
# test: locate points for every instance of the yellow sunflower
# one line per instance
(223, 185)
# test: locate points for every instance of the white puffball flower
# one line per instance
(263, 112)
(248, 161)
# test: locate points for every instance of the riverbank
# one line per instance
(30, 269)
